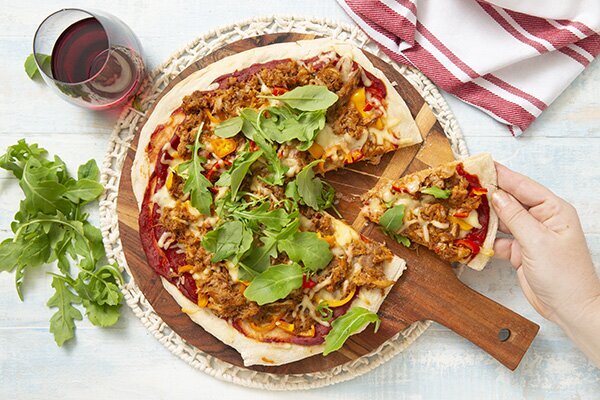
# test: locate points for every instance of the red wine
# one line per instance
(104, 76)
(80, 51)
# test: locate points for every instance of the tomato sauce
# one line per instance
(243, 74)
(165, 262)
(483, 211)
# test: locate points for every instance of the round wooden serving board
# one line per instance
(427, 290)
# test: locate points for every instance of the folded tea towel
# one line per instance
(509, 58)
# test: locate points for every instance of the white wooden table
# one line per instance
(561, 150)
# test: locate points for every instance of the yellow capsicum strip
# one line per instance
(202, 301)
(211, 117)
(308, 333)
(338, 303)
(184, 268)
(461, 223)
(169, 181)
(222, 147)
(359, 99)
(285, 326)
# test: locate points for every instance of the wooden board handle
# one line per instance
(502, 333)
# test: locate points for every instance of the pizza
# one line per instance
(233, 215)
(446, 209)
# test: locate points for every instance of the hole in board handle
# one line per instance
(503, 334)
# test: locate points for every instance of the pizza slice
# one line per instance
(232, 211)
(446, 209)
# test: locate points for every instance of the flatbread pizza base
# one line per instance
(202, 80)
(254, 352)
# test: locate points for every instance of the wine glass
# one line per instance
(91, 58)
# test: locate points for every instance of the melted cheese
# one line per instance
(344, 65)
(407, 201)
(327, 57)
(169, 149)
(175, 161)
(365, 79)
(293, 165)
(344, 235)
(163, 198)
(327, 139)
(320, 286)
(473, 219)
(307, 305)
(356, 268)
(330, 141)
(425, 232)
(233, 270)
(413, 184)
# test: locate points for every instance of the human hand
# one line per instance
(549, 252)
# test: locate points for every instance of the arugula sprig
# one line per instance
(234, 176)
(307, 98)
(300, 117)
(391, 222)
(196, 184)
(51, 226)
(31, 67)
(274, 284)
(437, 192)
(251, 129)
(311, 190)
(343, 327)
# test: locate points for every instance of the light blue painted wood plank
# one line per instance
(126, 361)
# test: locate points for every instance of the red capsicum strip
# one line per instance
(307, 283)
(471, 245)
(278, 91)
(478, 191)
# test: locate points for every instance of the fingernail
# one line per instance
(500, 199)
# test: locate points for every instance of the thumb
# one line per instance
(518, 220)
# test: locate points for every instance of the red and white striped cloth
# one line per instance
(509, 58)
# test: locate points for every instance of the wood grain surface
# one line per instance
(429, 288)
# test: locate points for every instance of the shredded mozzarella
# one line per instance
(320, 286)
(344, 65)
(365, 80)
(413, 184)
(356, 268)
(169, 149)
(306, 304)
(164, 242)
(440, 225)
(425, 233)
(345, 285)
(407, 201)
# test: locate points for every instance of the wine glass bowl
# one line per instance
(91, 58)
